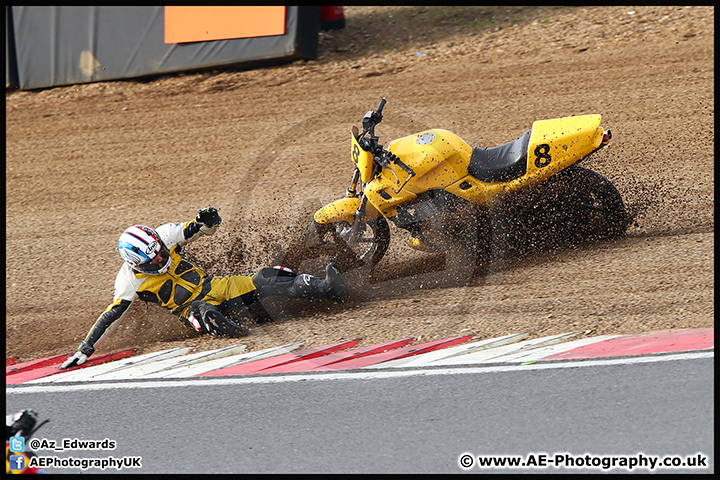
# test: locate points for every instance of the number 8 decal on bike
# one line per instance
(542, 155)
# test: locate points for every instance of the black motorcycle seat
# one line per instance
(500, 164)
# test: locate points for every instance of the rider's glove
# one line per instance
(79, 357)
(209, 217)
(23, 421)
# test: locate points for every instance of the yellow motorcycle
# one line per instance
(441, 190)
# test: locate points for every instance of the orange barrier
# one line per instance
(202, 24)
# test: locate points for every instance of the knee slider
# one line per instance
(272, 281)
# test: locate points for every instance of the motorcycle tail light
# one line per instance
(607, 135)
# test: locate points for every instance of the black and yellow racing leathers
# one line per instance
(215, 305)
(181, 284)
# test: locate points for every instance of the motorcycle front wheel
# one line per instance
(321, 243)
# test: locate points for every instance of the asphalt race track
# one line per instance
(413, 420)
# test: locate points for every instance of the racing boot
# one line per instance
(335, 282)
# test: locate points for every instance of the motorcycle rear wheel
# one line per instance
(594, 209)
(574, 206)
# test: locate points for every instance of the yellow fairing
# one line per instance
(343, 210)
(363, 159)
(554, 145)
(439, 158)
(558, 143)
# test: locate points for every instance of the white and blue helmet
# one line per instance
(142, 248)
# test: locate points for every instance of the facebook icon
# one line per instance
(17, 462)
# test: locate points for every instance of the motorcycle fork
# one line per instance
(351, 191)
(355, 229)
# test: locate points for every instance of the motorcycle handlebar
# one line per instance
(407, 169)
(372, 118)
(381, 106)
